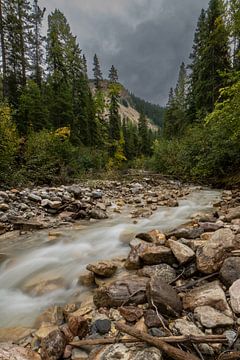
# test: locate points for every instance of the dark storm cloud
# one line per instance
(145, 39)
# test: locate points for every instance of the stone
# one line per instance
(133, 261)
(44, 330)
(86, 279)
(182, 252)
(211, 318)
(103, 268)
(233, 213)
(164, 296)
(163, 271)
(115, 351)
(131, 289)
(55, 204)
(78, 354)
(39, 287)
(151, 319)
(186, 233)
(211, 255)
(53, 346)
(67, 332)
(13, 352)
(67, 352)
(153, 255)
(230, 271)
(78, 325)
(158, 237)
(156, 332)
(14, 334)
(234, 292)
(97, 194)
(131, 313)
(34, 197)
(52, 315)
(149, 353)
(4, 207)
(98, 214)
(209, 226)
(102, 326)
(210, 294)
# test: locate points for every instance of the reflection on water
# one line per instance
(36, 259)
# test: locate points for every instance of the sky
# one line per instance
(146, 40)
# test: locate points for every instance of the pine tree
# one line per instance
(234, 7)
(3, 52)
(97, 73)
(113, 75)
(144, 146)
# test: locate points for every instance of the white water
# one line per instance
(36, 257)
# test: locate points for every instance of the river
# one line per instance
(36, 258)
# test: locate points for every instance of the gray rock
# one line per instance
(4, 207)
(186, 233)
(97, 194)
(13, 352)
(103, 268)
(154, 255)
(34, 197)
(164, 296)
(233, 213)
(98, 214)
(163, 271)
(102, 326)
(53, 345)
(230, 271)
(211, 318)
(182, 252)
(234, 293)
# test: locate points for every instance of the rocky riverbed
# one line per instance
(172, 285)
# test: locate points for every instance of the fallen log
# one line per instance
(176, 354)
(210, 339)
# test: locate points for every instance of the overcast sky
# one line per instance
(145, 39)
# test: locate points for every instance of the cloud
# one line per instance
(145, 39)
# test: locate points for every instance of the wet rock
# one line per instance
(102, 326)
(151, 319)
(53, 346)
(39, 287)
(131, 313)
(98, 214)
(133, 261)
(211, 318)
(4, 207)
(163, 271)
(78, 354)
(44, 330)
(103, 268)
(210, 294)
(163, 296)
(53, 315)
(182, 252)
(131, 289)
(208, 226)
(98, 194)
(145, 237)
(153, 255)
(14, 352)
(86, 279)
(14, 334)
(233, 213)
(230, 271)
(211, 256)
(186, 233)
(234, 293)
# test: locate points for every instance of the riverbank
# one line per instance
(155, 289)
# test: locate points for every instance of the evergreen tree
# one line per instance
(144, 146)
(234, 7)
(113, 75)
(97, 73)
(3, 52)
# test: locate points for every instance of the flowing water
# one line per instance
(34, 258)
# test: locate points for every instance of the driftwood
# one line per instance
(170, 350)
(216, 339)
(230, 356)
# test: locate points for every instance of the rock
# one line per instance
(53, 346)
(131, 289)
(182, 252)
(186, 233)
(133, 261)
(149, 353)
(163, 296)
(230, 271)
(98, 194)
(156, 332)
(86, 279)
(234, 293)
(211, 256)
(53, 315)
(163, 271)
(78, 325)
(14, 352)
(39, 287)
(211, 318)
(67, 352)
(4, 207)
(44, 330)
(210, 294)
(158, 237)
(14, 334)
(145, 237)
(115, 351)
(151, 319)
(45, 203)
(78, 354)
(67, 332)
(153, 255)
(98, 214)
(233, 213)
(55, 204)
(131, 313)
(34, 197)
(103, 268)
(102, 326)
(208, 226)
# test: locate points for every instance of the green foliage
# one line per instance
(9, 142)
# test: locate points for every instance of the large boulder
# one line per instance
(131, 289)
(233, 213)
(53, 346)
(211, 318)
(153, 255)
(163, 271)
(230, 271)
(164, 296)
(103, 268)
(210, 294)
(186, 233)
(211, 256)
